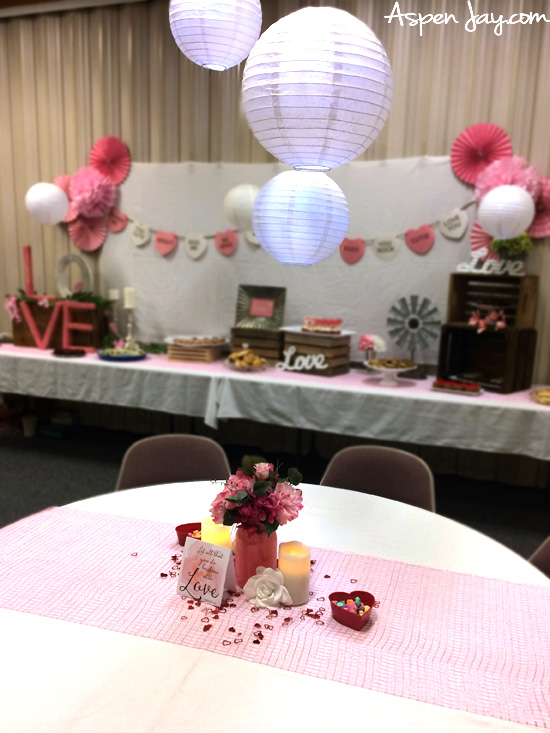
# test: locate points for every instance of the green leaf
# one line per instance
(271, 527)
(249, 462)
(294, 476)
(261, 488)
(228, 519)
(240, 496)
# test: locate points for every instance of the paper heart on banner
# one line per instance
(352, 250)
(454, 225)
(420, 240)
(386, 248)
(226, 242)
(195, 245)
(251, 238)
(140, 234)
(165, 242)
(117, 221)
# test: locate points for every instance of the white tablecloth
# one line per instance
(351, 404)
(62, 677)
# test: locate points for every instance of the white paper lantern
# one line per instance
(300, 217)
(238, 205)
(47, 203)
(317, 88)
(216, 34)
(506, 211)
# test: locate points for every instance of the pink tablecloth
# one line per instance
(455, 640)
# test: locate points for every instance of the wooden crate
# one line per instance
(499, 361)
(180, 352)
(516, 296)
(22, 335)
(263, 342)
(336, 350)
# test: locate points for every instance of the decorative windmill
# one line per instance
(413, 323)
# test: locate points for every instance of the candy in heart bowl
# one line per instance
(351, 618)
(185, 530)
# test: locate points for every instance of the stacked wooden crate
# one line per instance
(263, 342)
(335, 348)
(206, 353)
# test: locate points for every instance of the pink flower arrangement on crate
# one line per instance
(257, 498)
(496, 319)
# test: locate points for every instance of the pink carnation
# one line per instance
(508, 172)
(92, 194)
(286, 502)
(11, 304)
(365, 342)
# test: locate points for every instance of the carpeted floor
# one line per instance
(43, 471)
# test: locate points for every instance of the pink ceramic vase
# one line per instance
(252, 550)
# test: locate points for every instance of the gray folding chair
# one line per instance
(166, 459)
(541, 557)
(382, 471)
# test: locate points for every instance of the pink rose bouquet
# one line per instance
(257, 498)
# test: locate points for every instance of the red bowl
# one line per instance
(353, 620)
(183, 531)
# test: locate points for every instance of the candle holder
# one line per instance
(130, 343)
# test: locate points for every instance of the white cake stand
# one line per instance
(389, 375)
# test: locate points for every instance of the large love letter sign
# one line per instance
(352, 250)
(226, 242)
(420, 240)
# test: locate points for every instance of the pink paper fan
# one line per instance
(111, 157)
(63, 183)
(480, 239)
(477, 147)
(88, 234)
(541, 223)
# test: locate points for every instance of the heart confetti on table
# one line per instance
(226, 242)
(352, 250)
(165, 242)
(420, 240)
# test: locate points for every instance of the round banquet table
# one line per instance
(64, 677)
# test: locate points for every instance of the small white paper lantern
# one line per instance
(216, 34)
(300, 217)
(317, 88)
(506, 211)
(238, 205)
(47, 203)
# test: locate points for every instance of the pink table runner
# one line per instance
(450, 639)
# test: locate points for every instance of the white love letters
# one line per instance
(302, 361)
(491, 267)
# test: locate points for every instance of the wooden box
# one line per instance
(499, 361)
(516, 296)
(181, 352)
(22, 335)
(336, 350)
(264, 342)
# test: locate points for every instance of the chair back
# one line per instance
(541, 557)
(389, 472)
(166, 459)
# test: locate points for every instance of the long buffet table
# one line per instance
(351, 404)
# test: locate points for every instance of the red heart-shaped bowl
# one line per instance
(183, 531)
(353, 620)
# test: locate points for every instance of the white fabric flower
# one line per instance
(379, 343)
(266, 589)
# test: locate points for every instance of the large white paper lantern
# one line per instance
(216, 34)
(238, 205)
(47, 203)
(317, 88)
(506, 211)
(300, 217)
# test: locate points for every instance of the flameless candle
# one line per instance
(114, 295)
(216, 534)
(294, 564)
(129, 298)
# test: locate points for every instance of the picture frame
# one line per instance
(260, 306)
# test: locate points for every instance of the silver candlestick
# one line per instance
(130, 343)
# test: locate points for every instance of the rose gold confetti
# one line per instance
(226, 643)
(321, 598)
(269, 627)
(232, 629)
(216, 616)
(327, 576)
(237, 641)
(164, 575)
(133, 554)
(258, 634)
(288, 619)
(257, 626)
(207, 627)
(256, 641)
(320, 623)
(205, 619)
(184, 617)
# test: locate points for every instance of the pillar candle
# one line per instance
(294, 564)
(114, 295)
(129, 298)
(216, 534)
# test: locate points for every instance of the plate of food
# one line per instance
(453, 386)
(121, 355)
(245, 361)
(389, 368)
(196, 341)
(541, 395)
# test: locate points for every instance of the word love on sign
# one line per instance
(303, 362)
(491, 267)
(205, 571)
